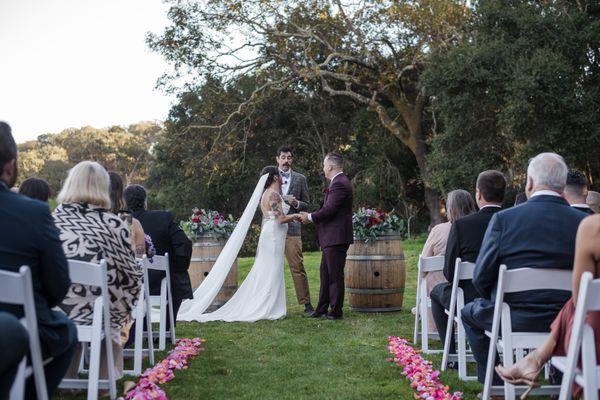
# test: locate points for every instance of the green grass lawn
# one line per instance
(304, 358)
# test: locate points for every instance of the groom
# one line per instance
(334, 227)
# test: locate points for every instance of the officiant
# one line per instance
(295, 193)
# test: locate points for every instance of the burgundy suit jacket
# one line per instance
(334, 219)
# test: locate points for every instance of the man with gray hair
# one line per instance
(539, 233)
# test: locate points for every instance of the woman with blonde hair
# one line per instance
(90, 232)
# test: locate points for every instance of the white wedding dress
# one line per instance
(262, 294)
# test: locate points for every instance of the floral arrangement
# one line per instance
(423, 378)
(208, 221)
(147, 387)
(369, 223)
(150, 249)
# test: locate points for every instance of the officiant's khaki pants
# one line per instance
(293, 254)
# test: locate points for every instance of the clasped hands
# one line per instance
(301, 217)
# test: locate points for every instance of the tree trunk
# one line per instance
(432, 196)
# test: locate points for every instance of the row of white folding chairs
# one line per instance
(463, 271)
(16, 288)
(423, 303)
(516, 343)
(511, 343)
(152, 308)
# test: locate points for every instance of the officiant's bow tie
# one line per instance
(285, 174)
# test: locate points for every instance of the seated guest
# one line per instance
(35, 188)
(138, 242)
(14, 344)
(576, 191)
(520, 198)
(539, 233)
(459, 203)
(464, 241)
(587, 259)
(593, 200)
(90, 232)
(28, 237)
(167, 237)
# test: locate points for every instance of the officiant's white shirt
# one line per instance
(285, 186)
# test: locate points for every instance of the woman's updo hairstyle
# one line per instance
(273, 172)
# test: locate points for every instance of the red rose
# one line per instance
(197, 212)
(195, 219)
(373, 221)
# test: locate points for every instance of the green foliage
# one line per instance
(126, 151)
(197, 166)
(526, 81)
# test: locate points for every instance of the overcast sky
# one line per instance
(71, 63)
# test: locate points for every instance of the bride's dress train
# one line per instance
(262, 294)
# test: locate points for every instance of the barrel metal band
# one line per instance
(204, 259)
(208, 244)
(368, 309)
(374, 258)
(375, 291)
(380, 238)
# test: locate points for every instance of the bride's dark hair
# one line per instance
(272, 171)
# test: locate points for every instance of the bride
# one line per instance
(262, 294)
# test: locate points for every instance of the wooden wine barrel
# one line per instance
(205, 251)
(375, 275)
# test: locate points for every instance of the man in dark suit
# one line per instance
(167, 237)
(295, 192)
(28, 237)
(576, 191)
(464, 242)
(539, 233)
(334, 227)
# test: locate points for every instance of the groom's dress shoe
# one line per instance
(315, 314)
(333, 317)
(308, 308)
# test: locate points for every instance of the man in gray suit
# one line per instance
(295, 193)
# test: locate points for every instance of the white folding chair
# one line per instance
(463, 271)
(17, 289)
(93, 274)
(143, 311)
(423, 303)
(582, 344)
(163, 301)
(513, 281)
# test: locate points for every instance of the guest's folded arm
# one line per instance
(485, 275)
(54, 266)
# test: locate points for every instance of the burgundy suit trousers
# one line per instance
(331, 294)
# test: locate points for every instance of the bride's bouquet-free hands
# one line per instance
(294, 217)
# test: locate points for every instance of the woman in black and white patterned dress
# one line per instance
(90, 232)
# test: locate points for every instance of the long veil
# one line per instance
(209, 288)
